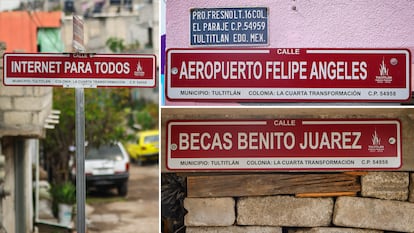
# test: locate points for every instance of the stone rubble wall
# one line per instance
(384, 204)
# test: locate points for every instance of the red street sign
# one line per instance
(79, 70)
(294, 74)
(77, 41)
(283, 144)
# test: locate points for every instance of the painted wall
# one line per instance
(25, 39)
(305, 23)
(308, 24)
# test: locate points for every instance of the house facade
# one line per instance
(23, 114)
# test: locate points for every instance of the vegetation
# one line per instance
(110, 115)
(64, 193)
(116, 45)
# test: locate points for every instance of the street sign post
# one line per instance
(79, 46)
(283, 144)
(79, 70)
(289, 74)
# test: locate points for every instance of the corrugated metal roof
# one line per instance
(18, 29)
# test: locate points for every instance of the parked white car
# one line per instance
(107, 166)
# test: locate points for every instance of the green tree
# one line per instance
(146, 116)
(105, 117)
(115, 44)
(105, 121)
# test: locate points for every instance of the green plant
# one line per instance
(64, 193)
(116, 45)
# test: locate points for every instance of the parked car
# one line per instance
(107, 166)
(146, 147)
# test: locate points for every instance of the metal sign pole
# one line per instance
(80, 160)
(78, 46)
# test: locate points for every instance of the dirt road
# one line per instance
(137, 213)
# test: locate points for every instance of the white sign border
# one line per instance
(284, 163)
(271, 94)
(80, 82)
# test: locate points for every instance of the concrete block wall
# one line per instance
(385, 204)
(23, 110)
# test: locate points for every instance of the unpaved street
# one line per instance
(137, 213)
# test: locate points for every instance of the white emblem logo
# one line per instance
(383, 76)
(139, 71)
(376, 143)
